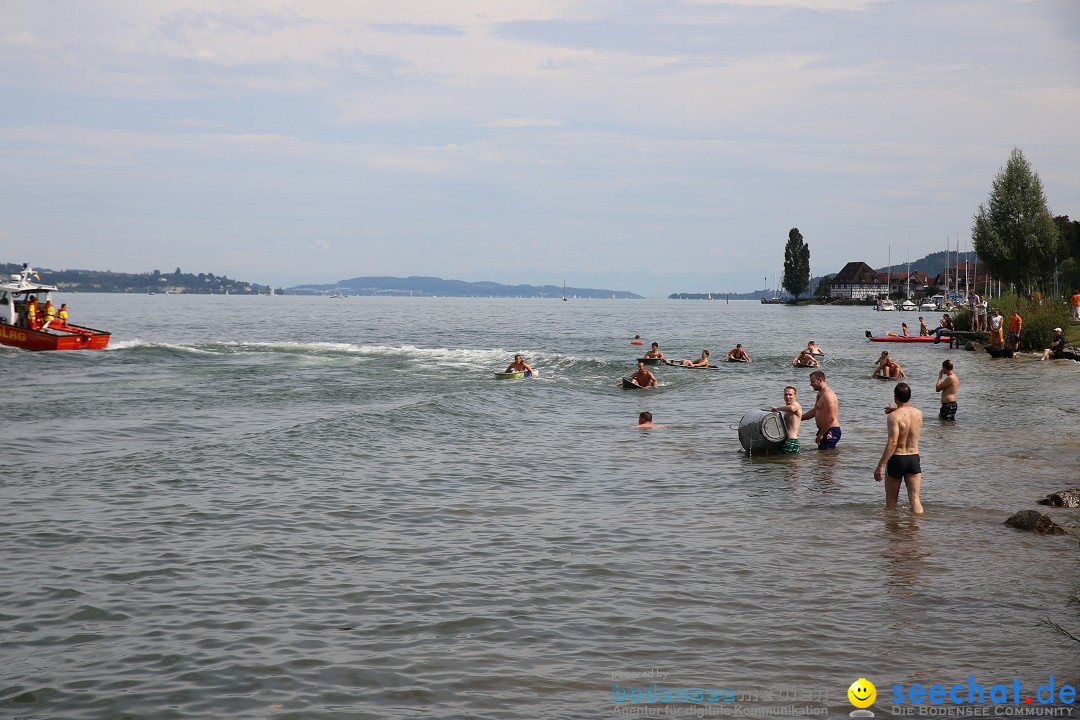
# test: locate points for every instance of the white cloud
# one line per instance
(420, 136)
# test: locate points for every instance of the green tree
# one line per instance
(824, 288)
(1014, 233)
(796, 264)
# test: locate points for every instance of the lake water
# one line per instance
(301, 507)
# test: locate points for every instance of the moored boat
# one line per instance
(930, 304)
(19, 327)
(908, 306)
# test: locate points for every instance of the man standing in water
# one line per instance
(824, 413)
(947, 384)
(900, 460)
(792, 411)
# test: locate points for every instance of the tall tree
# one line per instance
(796, 264)
(1014, 233)
(824, 288)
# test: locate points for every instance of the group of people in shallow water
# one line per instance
(900, 462)
(41, 316)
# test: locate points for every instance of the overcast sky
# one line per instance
(645, 145)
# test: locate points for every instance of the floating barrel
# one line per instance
(761, 431)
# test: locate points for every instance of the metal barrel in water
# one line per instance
(762, 431)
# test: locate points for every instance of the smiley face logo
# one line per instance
(862, 693)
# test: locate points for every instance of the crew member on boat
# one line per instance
(50, 313)
(30, 313)
(62, 315)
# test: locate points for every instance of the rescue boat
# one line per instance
(15, 294)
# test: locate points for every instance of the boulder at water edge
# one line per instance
(1034, 521)
(1063, 498)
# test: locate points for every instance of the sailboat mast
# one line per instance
(967, 276)
(907, 278)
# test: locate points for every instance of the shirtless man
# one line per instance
(814, 349)
(947, 384)
(519, 365)
(643, 378)
(702, 361)
(654, 352)
(645, 422)
(900, 460)
(825, 413)
(737, 355)
(888, 368)
(804, 359)
(923, 330)
(792, 411)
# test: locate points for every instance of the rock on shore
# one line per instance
(1063, 498)
(1036, 522)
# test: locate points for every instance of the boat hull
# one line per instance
(73, 337)
(915, 339)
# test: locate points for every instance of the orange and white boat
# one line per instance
(15, 325)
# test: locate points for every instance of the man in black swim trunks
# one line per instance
(900, 461)
(947, 384)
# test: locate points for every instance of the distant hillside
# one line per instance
(432, 286)
(149, 282)
(933, 264)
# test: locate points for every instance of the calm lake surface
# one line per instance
(299, 507)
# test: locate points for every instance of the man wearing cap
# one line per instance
(1057, 345)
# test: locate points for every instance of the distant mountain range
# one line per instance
(415, 286)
